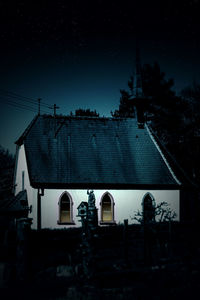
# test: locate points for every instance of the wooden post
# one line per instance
(125, 238)
(39, 217)
(170, 240)
(38, 210)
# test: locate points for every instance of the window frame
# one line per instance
(112, 222)
(71, 222)
(153, 203)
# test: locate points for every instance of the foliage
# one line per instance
(154, 83)
(131, 84)
(126, 108)
(156, 89)
(86, 112)
(6, 171)
(191, 99)
(6, 158)
(173, 119)
(162, 211)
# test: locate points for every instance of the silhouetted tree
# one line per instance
(6, 171)
(131, 84)
(162, 102)
(154, 83)
(86, 112)
(162, 213)
(175, 119)
(126, 108)
(191, 99)
(156, 89)
(190, 140)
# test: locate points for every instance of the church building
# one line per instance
(59, 158)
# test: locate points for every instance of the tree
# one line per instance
(191, 98)
(153, 234)
(86, 113)
(6, 171)
(126, 108)
(163, 105)
(154, 83)
(190, 141)
(173, 119)
(156, 89)
(162, 213)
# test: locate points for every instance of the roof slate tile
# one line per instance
(93, 150)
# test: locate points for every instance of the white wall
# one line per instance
(21, 166)
(127, 202)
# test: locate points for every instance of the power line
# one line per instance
(22, 106)
(15, 94)
(19, 104)
(19, 107)
(25, 100)
(19, 98)
(28, 99)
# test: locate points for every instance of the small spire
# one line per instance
(138, 75)
(39, 102)
(138, 91)
(54, 109)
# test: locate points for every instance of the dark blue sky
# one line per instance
(81, 53)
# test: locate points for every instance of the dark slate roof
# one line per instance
(93, 152)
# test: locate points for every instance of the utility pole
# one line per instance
(39, 101)
(54, 109)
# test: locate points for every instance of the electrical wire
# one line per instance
(19, 98)
(23, 98)
(21, 106)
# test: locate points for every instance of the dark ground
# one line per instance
(119, 266)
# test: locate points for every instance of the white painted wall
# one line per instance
(127, 202)
(21, 166)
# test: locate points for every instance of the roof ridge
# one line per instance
(82, 117)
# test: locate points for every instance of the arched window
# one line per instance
(107, 209)
(65, 209)
(148, 205)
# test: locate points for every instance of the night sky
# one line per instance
(81, 53)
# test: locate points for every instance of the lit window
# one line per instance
(65, 209)
(107, 209)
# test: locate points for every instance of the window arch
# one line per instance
(107, 209)
(148, 208)
(65, 209)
